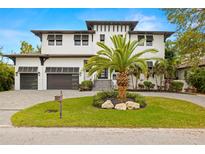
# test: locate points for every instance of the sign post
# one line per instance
(60, 99)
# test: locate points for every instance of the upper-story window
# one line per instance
(55, 40)
(84, 40)
(77, 40)
(141, 37)
(51, 39)
(81, 38)
(102, 37)
(59, 39)
(149, 40)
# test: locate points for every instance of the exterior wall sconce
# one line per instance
(16, 73)
(38, 73)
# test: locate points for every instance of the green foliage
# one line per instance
(197, 79)
(6, 77)
(148, 84)
(26, 48)
(86, 85)
(190, 42)
(101, 97)
(119, 58)
(79, 112)
(176, 86)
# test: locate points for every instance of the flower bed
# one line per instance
(101, 97)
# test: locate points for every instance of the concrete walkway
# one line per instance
(107, 136)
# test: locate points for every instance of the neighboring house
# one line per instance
(64, 53)
(182, 69)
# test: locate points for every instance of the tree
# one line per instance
(26, 48)
(136, 71)
(1, 57)
(190, 42)
(120, 58)
(159, 71)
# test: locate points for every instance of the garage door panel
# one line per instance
(28, 81)
(62, 81)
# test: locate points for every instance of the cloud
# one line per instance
(147, 23)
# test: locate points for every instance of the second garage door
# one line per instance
(62, 81)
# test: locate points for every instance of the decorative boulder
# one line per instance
(132, 105)
(107, 105)
(120, 106)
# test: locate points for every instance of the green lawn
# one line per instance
(79, 112)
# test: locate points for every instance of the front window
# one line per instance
(55, 40)
(149, 40)
(104, 74)
(51, 39)
(59, 39)
(77, 40)
(85, 40)
(102, 37)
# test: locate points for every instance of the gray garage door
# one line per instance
(28, 81)
(62, 81)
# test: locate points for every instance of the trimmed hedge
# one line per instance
(101, 97)
(176, 86)
(86, 85)
(148, 84)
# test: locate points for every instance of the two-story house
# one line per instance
(64, 53)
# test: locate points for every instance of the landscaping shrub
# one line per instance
(176, 86)
(141, 86)
(101, 97)
(148, 84)
(86, 85)
(6, 77)
(197, 79)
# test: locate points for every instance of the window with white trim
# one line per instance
(102, 37)
(77, 40)
(85, 40)
(51, 40)
(55, 40)
(149, 40)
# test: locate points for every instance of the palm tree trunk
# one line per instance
(122, 83)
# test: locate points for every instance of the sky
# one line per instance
(15, 24)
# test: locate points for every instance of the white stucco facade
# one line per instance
(68, 48)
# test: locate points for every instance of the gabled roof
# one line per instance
(91, 23)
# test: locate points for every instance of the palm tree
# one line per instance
(136, 70)
(159, 70)
(121, 58)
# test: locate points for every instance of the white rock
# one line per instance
(132, 105)
(107, 105)
(120, 106)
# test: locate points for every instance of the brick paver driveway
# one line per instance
(13, 101)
